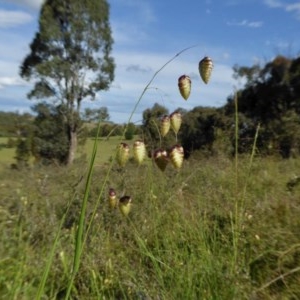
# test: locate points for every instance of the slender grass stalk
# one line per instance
(156, 262)
(51, 255)
(92, 217)
(235, 217)
(280, 277)
(21, 268)
(250, 164)
(151, 80)
(160, 138)
(239, 199)
(236, 146)
(80, 229)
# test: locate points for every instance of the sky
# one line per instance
(149, 33)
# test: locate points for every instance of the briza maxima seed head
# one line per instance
(176, 155)
(165, 125)
(161, 158)
(125, 205)
(122, 154)
(205, 68)
(112, 195)
(139, 151)
(184, 85)
(176, 120)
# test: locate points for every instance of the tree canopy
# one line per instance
(69, 58)
(271, 98)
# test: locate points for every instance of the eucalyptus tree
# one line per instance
(70, 58)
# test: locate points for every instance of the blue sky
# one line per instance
(147, 33)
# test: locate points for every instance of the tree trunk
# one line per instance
(72, 147)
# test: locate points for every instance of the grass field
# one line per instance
(216, 229)
(106, 148)
(6, 154)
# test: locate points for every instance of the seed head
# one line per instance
(205, 68)
(184, 84)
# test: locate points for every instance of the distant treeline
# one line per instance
(13, 124)
(268, 116)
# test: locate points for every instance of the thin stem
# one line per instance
(282, 276)
(51, 256)
(250, 163)
(235, 218)
(151, 80)
(80, 232)
(236, 141)
(157, 128)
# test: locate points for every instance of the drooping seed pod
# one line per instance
(165, 125)
(205, 68)
(184, 84)
(176, 120)
(122, 154)
(161, 159)
(125, 205)
(176, 156)
(139, 151)
(112, 196)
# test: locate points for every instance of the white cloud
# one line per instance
(246, 23)
(142, 9)
(273, 3)
(133, 72)
(130, 27)
(34, 4)
(129, 84)
(127, 33)
(13, 18)
(8, 68)
(294, 7)
(138, 68)
(11, 81)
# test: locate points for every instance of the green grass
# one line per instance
(176, 244)
(106, 148)
(6, 154)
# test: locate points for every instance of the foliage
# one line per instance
(11, 142)
(130, 131)
(73, 41)
(50, 141)
(270, 98)
(199, 129)
(106, 129)
(96, 115)
(14, 124)
(23, 152)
